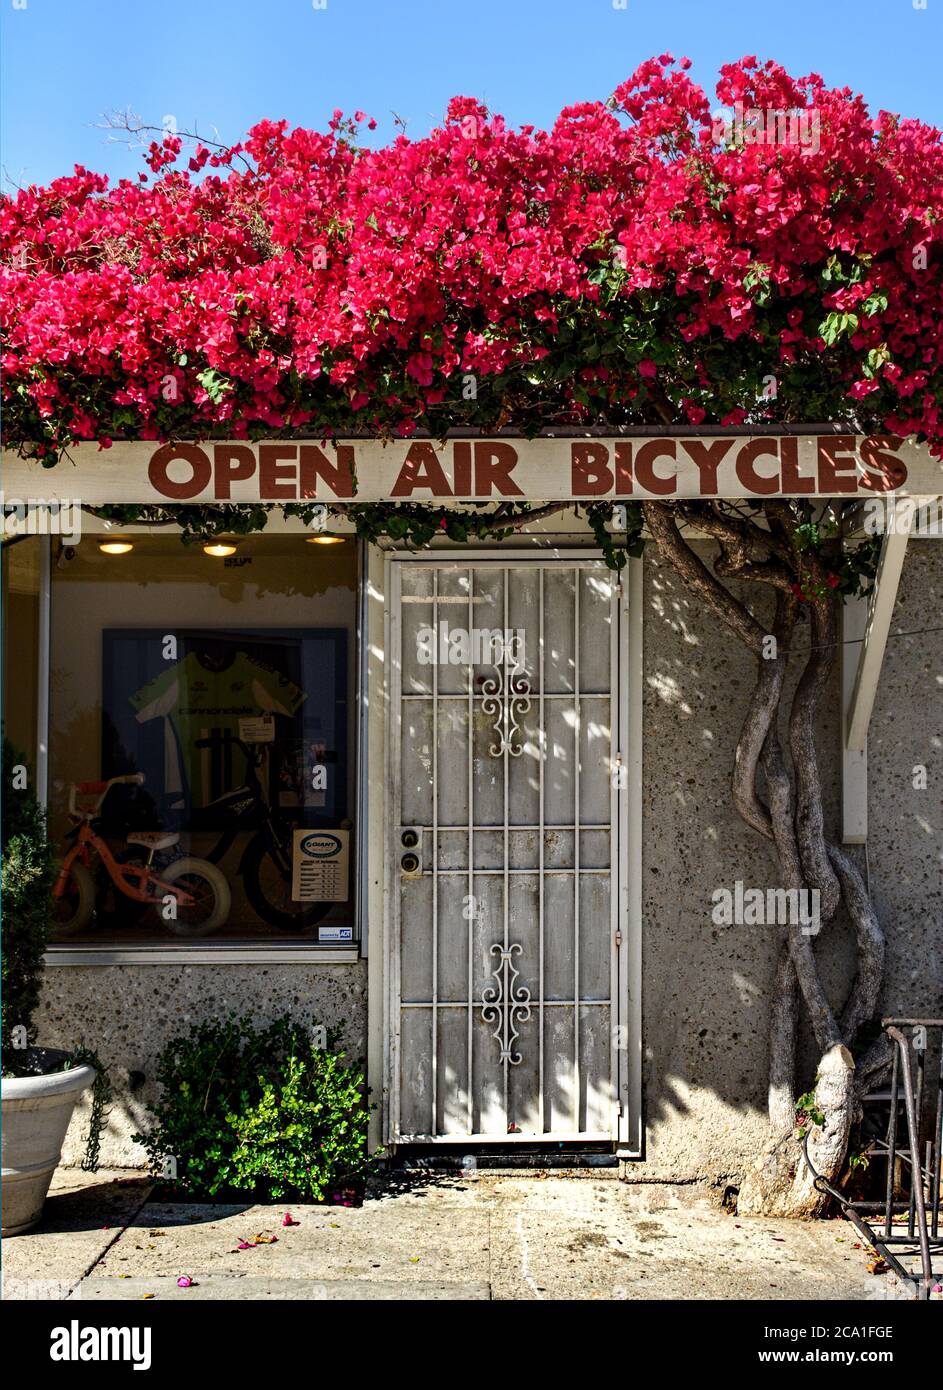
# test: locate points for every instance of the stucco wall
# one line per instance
(905, 841)
(128, 1012)
(706, 988)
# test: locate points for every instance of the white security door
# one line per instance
(504, 850)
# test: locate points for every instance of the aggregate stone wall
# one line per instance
(128, 1012)
(706, 990)
(905, 835)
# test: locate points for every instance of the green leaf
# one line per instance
(214, 384)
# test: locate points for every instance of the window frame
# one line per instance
(200, 952)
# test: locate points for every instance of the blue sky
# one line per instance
(221, 65)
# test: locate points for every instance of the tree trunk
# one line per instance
(779, 1183)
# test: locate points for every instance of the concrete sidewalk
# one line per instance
(468, 1238)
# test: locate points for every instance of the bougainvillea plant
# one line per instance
(638, 262)
(641, 263)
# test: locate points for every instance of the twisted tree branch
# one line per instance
(661, 522)
(809, 816)
(760, 715)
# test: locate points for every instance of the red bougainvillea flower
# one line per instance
(641, 261)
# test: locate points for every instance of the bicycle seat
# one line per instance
(153, 839)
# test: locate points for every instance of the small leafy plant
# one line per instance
(28, 875)
(27, 879)
(807, 1113)
(274, 1113)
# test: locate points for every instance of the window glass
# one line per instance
(220, 689)
(20, 603)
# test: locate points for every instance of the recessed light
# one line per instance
(219, 549)
(324, 540)
(115, 547)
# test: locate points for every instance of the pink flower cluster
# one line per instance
(627, 265)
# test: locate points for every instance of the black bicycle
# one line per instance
(266, 862)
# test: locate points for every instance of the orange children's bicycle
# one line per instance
(188, 895)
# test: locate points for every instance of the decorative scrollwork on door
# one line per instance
(506, 699)
(505, 1003)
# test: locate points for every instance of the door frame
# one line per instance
(383, 579)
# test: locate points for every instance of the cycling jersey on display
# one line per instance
(196, 699)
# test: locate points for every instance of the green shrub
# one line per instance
(267, 1113)
(28, 875)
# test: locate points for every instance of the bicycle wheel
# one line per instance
(209, 890)
(73, 911)
(268, 888)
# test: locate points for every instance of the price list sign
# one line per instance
(320, 866)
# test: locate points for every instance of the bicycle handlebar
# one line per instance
(227, 737)
(100, 788)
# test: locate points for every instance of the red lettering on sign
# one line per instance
(462, 469)
(278, 472)
(755, 482)
(885, 470)
(421, 469)
(645, 474)
(494, 464)
(623, 468)
(231, 463)
(160, 479)
(314, 464)
(658, 466)
(793, 481)
(590, 474)
(836, 460)
(707, 458)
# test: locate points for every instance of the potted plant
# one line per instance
(40, 1085)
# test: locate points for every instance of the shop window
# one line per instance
(220, 690)
(22, 563)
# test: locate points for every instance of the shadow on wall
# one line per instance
(706, 987)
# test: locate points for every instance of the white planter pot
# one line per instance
(36, 1115)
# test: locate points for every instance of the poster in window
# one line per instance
(176, 711)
